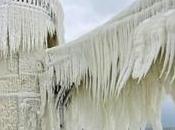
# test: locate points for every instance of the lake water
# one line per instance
(168, 113)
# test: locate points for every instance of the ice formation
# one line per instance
(113, 78)
(118, 72)
(25, 24)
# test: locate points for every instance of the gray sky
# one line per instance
(82, 16)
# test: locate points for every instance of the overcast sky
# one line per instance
(82, 16)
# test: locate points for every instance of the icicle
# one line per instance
(49, 114)
(142, 47)
(26, 24)
(119, 62)
(125, 112)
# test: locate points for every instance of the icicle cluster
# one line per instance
(112, 69)
(137, 106)
(109, 55)
(25, 25)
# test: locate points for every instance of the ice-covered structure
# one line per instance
(27, 28)
(113, 78)
(119, 72)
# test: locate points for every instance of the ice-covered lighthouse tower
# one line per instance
(27, 28)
